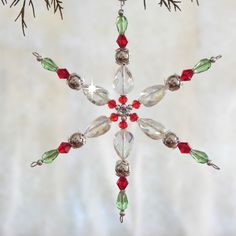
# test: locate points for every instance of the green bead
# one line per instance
(199, 156)
(202, 66)
(121, 24)
(49, 64)
(122, 201)
(50, 156)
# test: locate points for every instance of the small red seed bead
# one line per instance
(122, 183)
(64, 147)
(136, 104)
(122, 41)
(184, 148)
(187, 75)
(63, 73)
(123, 99)
(114, 117)
(133, 117)
(123, 124)
(111, 104)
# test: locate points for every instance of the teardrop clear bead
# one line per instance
(152, 95)
(98, 127)
(123, 143)
(123, 82)
(152, 128)
(95, 94)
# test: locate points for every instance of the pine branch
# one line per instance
(57, 6)
(4, 2)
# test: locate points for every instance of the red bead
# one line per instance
(63, 73)
(64, 147)
(184, 148)
(114, 117)
(111, 104)
(187, 75)
(133, 117)
(122, 41)
(122, 183)
(123, 99)
(136, 104)
(123, 124)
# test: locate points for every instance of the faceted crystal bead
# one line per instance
(136, 104)
(199, 156)
(95, 94)
(114, 117)
(184, 148)
(123, 99)
(64, 147)
(133, 117)
(123, 143)
(186, 75)
(98, 127)
(63, 73)
(123, 83)
(111, 104)
(122, 183)
(202, 66)
(50, 156)
(122, 41)
(152, 128)
(121, 24)
(123, 124)
(49, 64)
(152, 95)
(122, 201)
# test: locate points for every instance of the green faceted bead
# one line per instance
(200, 157)
(202, 66)
(50, 156)
(49, 64)
(122, 201)
(121, 24)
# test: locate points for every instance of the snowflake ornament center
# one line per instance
(122, 111)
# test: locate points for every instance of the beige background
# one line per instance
(169, 195)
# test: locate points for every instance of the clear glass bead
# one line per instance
(50, 156)
(202, 66)
(98, 127)
(123, 143)
(49, 64)
(95, 94)
(123, 82)
(152, 95)
(122, 201)
(152, 128)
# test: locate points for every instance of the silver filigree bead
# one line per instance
(122, 56)
(77, 140)
(173, 83)
(75, 81)
(122, 168)
(170, 140)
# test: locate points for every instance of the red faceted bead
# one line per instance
(184, 148)
(114, 117)
(136, 104)
(133, 117)
(123, 99)
(111, 104)
(122, 183)
(187, 75)
(64, 147)
(123, 124)
(63, 73)
(122, 41)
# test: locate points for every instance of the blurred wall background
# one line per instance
(168, 194)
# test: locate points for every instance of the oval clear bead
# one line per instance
(152, 95)
(98, 127)
(123, 143)
(123, 82)
(152, 128)
(96, 94)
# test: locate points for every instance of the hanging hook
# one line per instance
(214, 59)
(38, 57)
(36, 163)
(210, 163)
(121, 218)
(144, 4)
